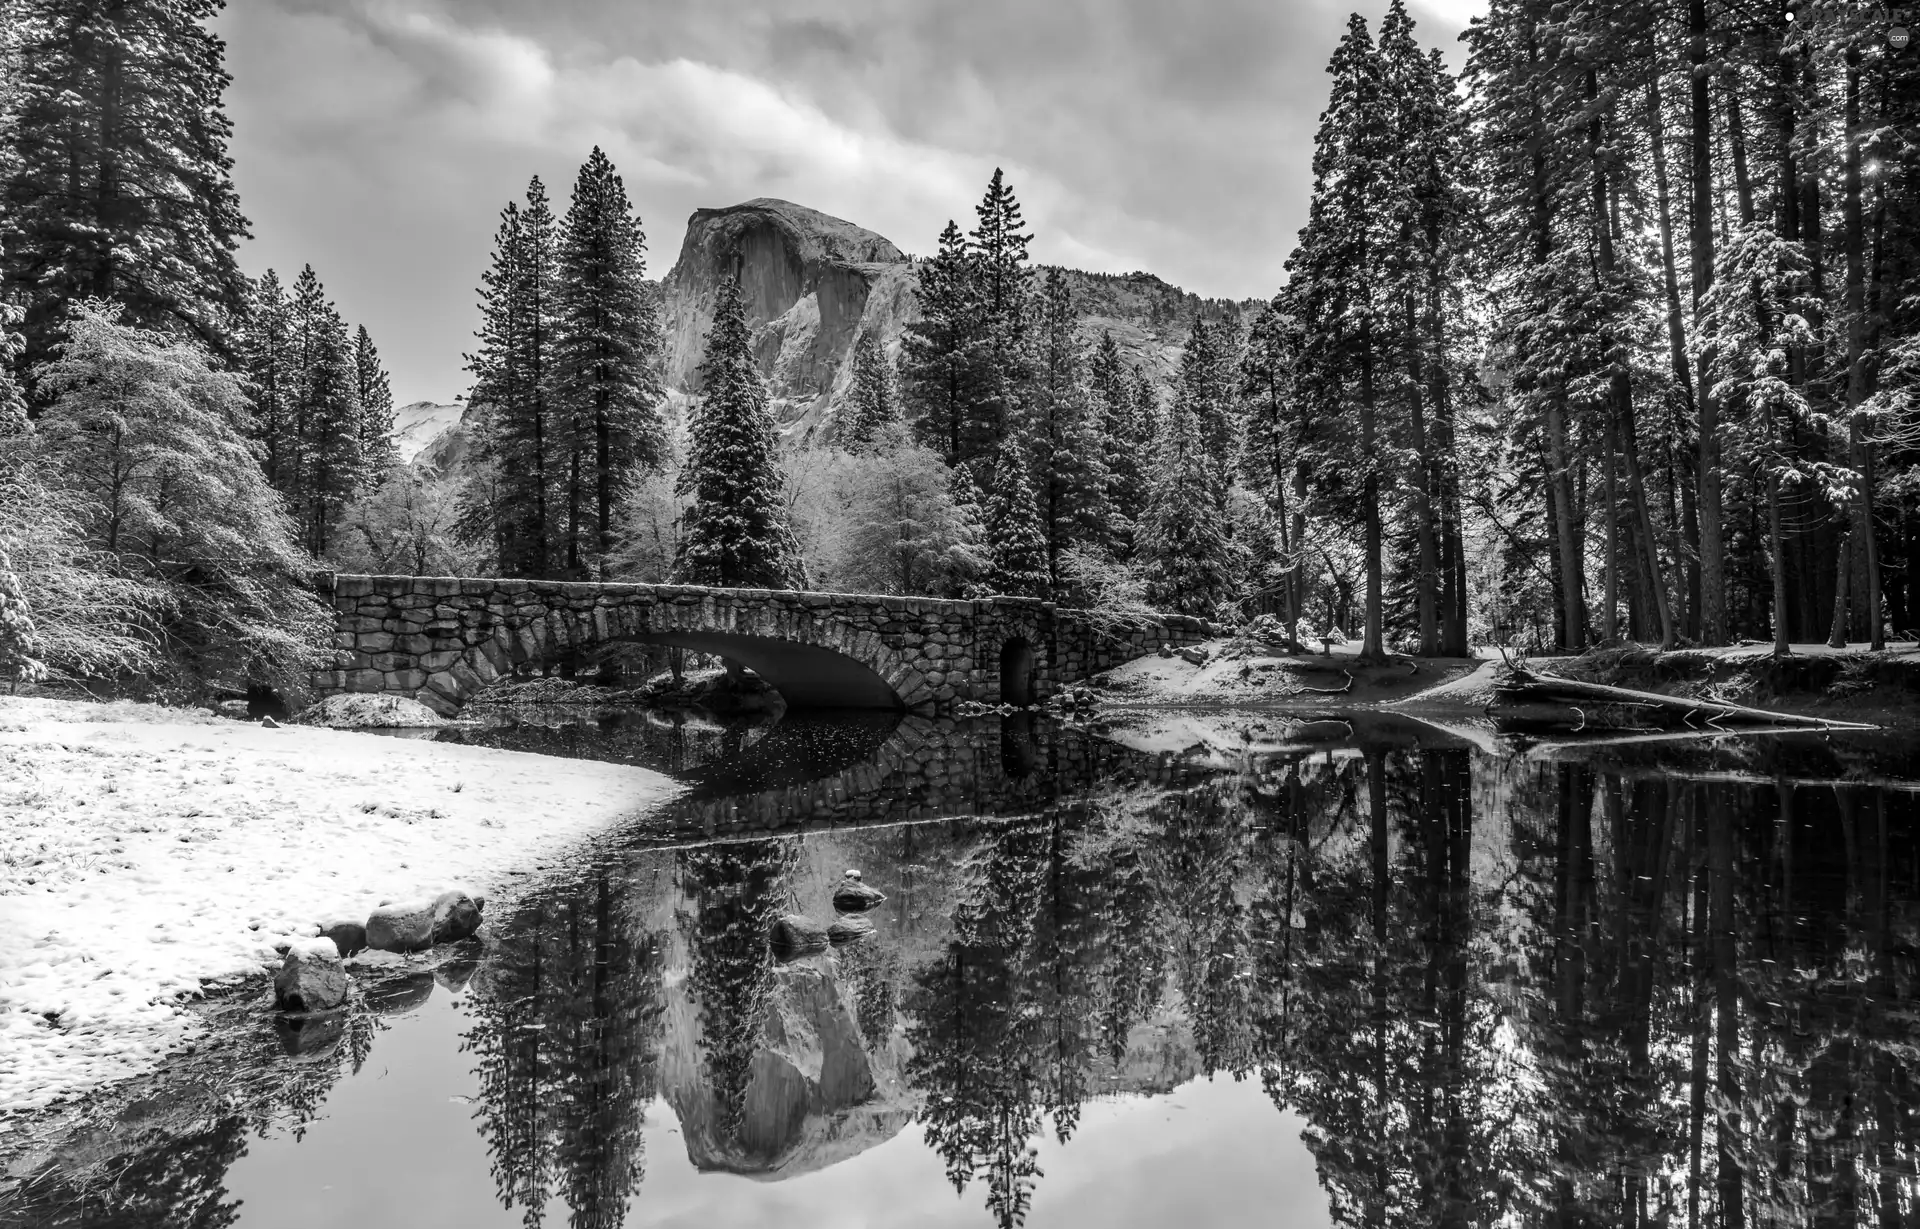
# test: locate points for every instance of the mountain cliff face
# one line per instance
(812, 285)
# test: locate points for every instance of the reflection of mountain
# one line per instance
(1498, 991)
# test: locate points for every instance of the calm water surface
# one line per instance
(1205, 972)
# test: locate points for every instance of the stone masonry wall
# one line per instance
(443, 639)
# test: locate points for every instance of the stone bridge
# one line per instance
(444, 639)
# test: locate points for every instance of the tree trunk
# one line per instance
(1713, 576)
(1427, 561)
(1866, 595)
(1372, 646)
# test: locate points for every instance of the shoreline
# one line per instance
(152, 858)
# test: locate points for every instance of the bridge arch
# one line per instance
(444, 639)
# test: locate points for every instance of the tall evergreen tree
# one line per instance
(1124, 435)
(736, 533)
(872, 406)
(1067, 439)
(945, 377)
(375, 391)
(1332, 291)
(606, 361)
(272, 372)
(508, 505)
(1016, 539)
(118, 181)
(1182, 537)
(329, 463)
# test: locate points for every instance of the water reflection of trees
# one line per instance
(1519, 994)
(566, 1039)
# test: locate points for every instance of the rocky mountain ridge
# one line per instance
(813, 284)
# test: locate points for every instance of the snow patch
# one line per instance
(146, 853)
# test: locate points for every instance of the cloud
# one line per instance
(378, 139)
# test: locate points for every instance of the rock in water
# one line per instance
(311, 978)
(401, 926)
(852, 895)
(795, 935)
(850, 929)
(456, 915)
(365, 711)
(348, 936)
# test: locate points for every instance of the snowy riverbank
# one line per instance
(146, 853)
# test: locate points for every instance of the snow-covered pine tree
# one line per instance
(945, 380)
(118, 182)
(606, 361)
(1182, 539)
(736, 532)
(375, 390)
(13, 405)
(1016, 539)
(872, 406)
(509, 505)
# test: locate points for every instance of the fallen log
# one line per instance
(1522, 688)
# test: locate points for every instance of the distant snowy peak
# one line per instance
(416, 425)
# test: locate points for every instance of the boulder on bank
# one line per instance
(363, 711)
(401, 926)
(311, 977)
(456, 915)
(348, 936)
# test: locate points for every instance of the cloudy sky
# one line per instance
(378, 139)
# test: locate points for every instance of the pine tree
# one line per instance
(318, 460)
(117, 181)
(13, 405)
(1016, 539)
(736, 533)
(375, 391)
(1068, 450)
(945, 377)
(1123, 438)
(997, 248)
(508, 506)
(606, 361)
(872, 406)
(268, 360)
(1182, 537)
(1332, 291)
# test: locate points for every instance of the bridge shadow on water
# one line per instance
(1434, 978)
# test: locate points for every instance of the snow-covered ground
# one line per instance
(145, 852)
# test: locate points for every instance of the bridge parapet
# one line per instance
(444, 639)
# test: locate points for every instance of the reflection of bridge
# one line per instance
(443, 639)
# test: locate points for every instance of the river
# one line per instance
(1239, 969)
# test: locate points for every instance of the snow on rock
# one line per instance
(371, 711)
(311, 977)
(146, 852)
(417, 424)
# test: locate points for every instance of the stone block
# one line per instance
(365, 680)
(352, 586)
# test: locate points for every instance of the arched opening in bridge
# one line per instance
(805, 675)
(1016, 672)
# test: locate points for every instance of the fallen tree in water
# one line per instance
(1526, 699)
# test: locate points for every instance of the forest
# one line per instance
(1610, 336)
